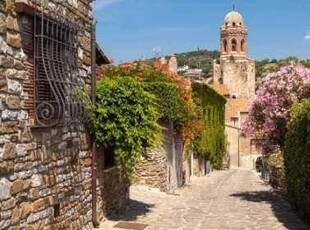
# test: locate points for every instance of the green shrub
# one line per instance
(124, 120)
(297, 157)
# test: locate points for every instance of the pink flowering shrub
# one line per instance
(270, 111)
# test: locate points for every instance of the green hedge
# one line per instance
(211, 141)
(297, 158)
(124, 120)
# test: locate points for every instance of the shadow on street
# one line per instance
(280, 207)
(134, 210)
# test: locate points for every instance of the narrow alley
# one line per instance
(235, 199)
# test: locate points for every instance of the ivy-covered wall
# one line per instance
(212, 141)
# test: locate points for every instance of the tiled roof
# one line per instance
(220, 89)
(234, 106)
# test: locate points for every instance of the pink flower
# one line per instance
(270, 110)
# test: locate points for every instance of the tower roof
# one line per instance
(233, 18)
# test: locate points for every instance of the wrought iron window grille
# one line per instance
(55, 70)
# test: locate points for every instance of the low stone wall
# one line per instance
(163, 167)
(112, 192)
(152, 171)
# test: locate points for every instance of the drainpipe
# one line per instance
(93, 144)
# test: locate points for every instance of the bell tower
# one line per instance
(235, 69)
(234, 78)
(234, 35)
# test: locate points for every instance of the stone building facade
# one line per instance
(165, 167)
(234, 78)
(45, 159)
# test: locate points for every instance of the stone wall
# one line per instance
(45, 172)
(239, 75)
(112, 189)
(112, 192)
(152, 170)
(163, 167)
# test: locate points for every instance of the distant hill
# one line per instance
(199, 59)
(203, 59)
(266, 66)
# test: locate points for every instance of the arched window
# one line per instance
(242, 45)
(233, 45)
(225, 46)
(234, 24)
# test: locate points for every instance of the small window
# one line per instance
(233, 24)
(51, 45)
(234, 120)
(234, 45)
(56, 210)
(225, 45)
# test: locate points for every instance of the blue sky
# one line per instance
(130, 29)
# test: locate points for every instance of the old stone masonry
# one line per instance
(235, 199)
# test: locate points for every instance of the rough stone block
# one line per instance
(17, 186)
(14, 40)
(6, 61)
(2, 23)
(5, 224)
(6, 167)
(37, 180)
(15, 216)
(9, 151)
(3, 85)
(8, 204)
(5, 188)
(19, 65)
(26, 209)
(9, 127)
(9, 115)
(13, 102)
(14, 87)
(11, 23)
(39, 205)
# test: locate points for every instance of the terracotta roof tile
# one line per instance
(234, 106)
(220, 89)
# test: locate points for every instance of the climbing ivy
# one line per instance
(124, 120)
(211, 142)
(173, 96)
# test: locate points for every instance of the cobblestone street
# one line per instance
(235, 199)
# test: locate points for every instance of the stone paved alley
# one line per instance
(235, 199)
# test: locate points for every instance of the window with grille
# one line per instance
(50, 42)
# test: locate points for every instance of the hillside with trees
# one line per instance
(203, 59)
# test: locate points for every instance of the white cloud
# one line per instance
(99, 4)
(307, 36)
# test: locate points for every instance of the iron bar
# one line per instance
(56, 71)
